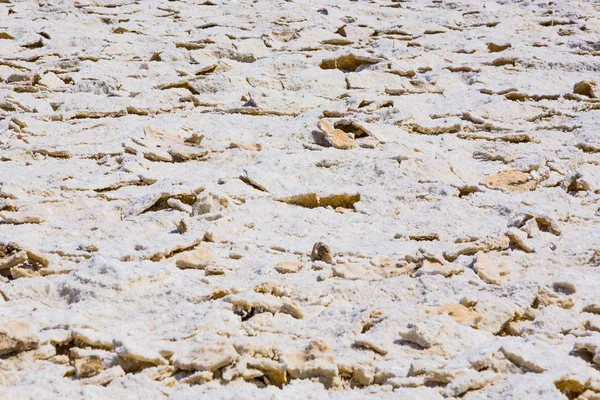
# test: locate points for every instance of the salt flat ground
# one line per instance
(299, 199)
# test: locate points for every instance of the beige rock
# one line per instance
(198, 378)
(13, 260)
(288, 267)
(198, 258)
(205, 356)
(18, 218)
(86, 367)
(316, 361)
(249, 147)
(104, 377)
(591, 345)
(353, 272)
(586, 88)
(335, 137)
(495, 314)
(491, 268)
(511, 180)
(137, 354)
(424, 333)
(24, 272)
(519, 240)
(436, 268)
(17, 336)
(535, 356)
(349, 62)
(371, 342)
(275, 371)
(313, 200)
(93, 338)
(471, 381)
(51, 81)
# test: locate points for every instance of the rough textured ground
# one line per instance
(299, 199)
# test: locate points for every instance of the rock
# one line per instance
(205, 357)
(105, 377)
(51, 81)
(249, 304)
(535, 356)
(13, 260)
(198, 258)
(198, 378)
(491, 268)
(353, 272)
(519, 240)
(348, 63)
(136, 357)
(321, 252)
(511, 180)
(18, 218)
(371, 342)
(179, 205)
(92, 338)
(313, 200)
(471, 381)
(17, 336)
(586, 88)
(86, 367)
(496, 48)
(158, 146)
(336, 138)
(315, 362)
(288, 267)
(495, 314)
(249, 147)
(591, 345)
(436, 268)
(424, 333)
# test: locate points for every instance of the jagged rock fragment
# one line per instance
(332, 137)
(16, 336)
(86, 367)
(321, 252)
(586, 88)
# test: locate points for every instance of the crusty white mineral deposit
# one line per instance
(299, 199)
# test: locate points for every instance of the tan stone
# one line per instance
(205, 357)
(353, 271)
(490, 268)
(199, 258)
(288, 267)
(511, 180)
(586, 88)
(16, 336)
(88, 366)
(335, 137)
